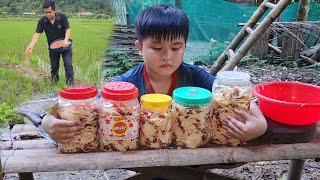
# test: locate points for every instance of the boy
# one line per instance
(162, 32)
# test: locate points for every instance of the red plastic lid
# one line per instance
(78, 92)
(119, 91)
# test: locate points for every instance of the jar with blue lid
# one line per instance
(191, 116)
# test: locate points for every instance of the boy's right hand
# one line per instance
(61, 130)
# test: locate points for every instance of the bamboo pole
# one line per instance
(240, 36)
(303, 10)
(120, 11)
(271, 17)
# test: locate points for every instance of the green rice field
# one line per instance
(20, 80)
(89, 45)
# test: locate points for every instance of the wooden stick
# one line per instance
(249, 30)
(270, 5)
(311, 61)
(277, 49)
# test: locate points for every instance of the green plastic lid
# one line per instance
(192, 96)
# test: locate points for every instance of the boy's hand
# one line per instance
(255, 124)
(61, 130)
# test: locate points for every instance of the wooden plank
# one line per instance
(42, 160)
(27, 144)
(24, 131)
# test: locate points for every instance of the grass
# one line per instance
(90, 41)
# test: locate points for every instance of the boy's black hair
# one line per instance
(162, 22)
(48, 4)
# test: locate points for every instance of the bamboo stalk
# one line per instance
(240, 36)
(303, 10)
(241, 52)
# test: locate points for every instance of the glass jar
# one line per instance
(191, 116)
(78, 104)
(155, 120)
(231, 90)
(119, 115)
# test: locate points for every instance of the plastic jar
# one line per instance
(78, 103)
(119, 117)
(231, 90)
(155, 120)
(191, 116)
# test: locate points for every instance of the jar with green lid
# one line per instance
(191, 116)
(119, 117)
(231, 90)
(155, 120)
(78, 103)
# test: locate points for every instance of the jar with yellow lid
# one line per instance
(155, 120)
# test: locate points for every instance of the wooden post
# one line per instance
(178, 4)
(1, 171)
(303, 10)
(120, 11)
(271, 17)
(291, 46)
(261, 48)
(295, 169)
(240, 36)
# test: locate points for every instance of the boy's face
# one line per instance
(162, 58)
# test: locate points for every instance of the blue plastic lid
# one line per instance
(192, 96)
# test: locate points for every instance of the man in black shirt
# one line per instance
(56, 26)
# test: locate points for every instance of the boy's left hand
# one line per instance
(255, 124)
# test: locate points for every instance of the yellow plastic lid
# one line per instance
(156, 102)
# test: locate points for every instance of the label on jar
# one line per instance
(120, 127)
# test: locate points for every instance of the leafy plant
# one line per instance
(8, 115)
(213, 53)
(119, 63)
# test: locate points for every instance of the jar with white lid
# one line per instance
(231, 90)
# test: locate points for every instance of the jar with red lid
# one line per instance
(78, 103)
(119, 115)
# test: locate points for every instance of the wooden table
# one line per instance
(28, 156)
